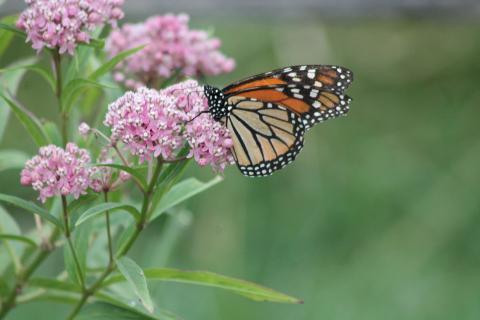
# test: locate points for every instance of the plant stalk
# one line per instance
(57, 63)
(69, 240)
(122, 251)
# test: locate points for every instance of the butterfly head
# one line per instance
(217, 104)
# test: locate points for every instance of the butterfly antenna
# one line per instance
(199, 114)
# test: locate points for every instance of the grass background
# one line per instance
(377, 219)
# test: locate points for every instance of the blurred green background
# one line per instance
(379, 216)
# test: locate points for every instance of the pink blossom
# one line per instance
(209, 140)
(170, 46)
(147, 122)
(83, 129)
(55, 171)
(63, 24)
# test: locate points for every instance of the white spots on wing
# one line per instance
(317, 104)
(318, 84)
(298, 96)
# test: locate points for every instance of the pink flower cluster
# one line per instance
(55, 171)
(209, 140)
(152, 124)
(170, 47)
(102, 177)
(63, 24)
(147, 122)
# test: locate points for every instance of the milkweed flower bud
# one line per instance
(55, 171)
(63, 24)
(170, 47)
(84, 129)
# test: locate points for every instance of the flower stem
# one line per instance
(122, 251)
(10, 301)
(57, 63)
(109, 232)
(70, 244)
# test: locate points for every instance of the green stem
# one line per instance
(109, 232)
(140, 226)
(24, 275)
(70, 244)
(57, 62)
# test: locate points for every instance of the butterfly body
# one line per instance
(268, 114)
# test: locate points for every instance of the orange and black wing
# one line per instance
(266, 136)
(313, 92)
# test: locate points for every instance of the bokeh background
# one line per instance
(379, 216)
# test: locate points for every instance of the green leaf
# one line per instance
(6, 36)
(125, 237)
(9, 83)
(18, 238)
(107, 311)
(94, 43)
(53, 134)
(204, 278)
(36, 68)
(80, 238)
(135, 172)
(12, 159)
(159, 314)
(74, 88)
(135, 277)
(29, 121)
(109, 65)
(7, 223)
(13, 30)
(108, 206)
(49, 283)
(31, 207)
(181, 192)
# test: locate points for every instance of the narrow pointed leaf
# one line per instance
(136, 278)
(12, 159)
(12, 29)
(9, 83)
(183, 191)
(247, 289)
(31, 207)
(36, 69)
(18, 238)
(110, 64)
(107, 311)
(49, 283)
(29, 121)
(108, 206)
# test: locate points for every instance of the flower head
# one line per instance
(170, 47)
(55, 171)
(63, 24)
(84, 129)
(209, 140)
(147, 122)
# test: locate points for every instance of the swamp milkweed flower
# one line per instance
(56, 171)
(159, 123)
(63, 24)
(170, 47)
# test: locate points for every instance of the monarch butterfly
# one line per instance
(268, 114)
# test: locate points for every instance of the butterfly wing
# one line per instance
(313, 92)
(266, 136)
